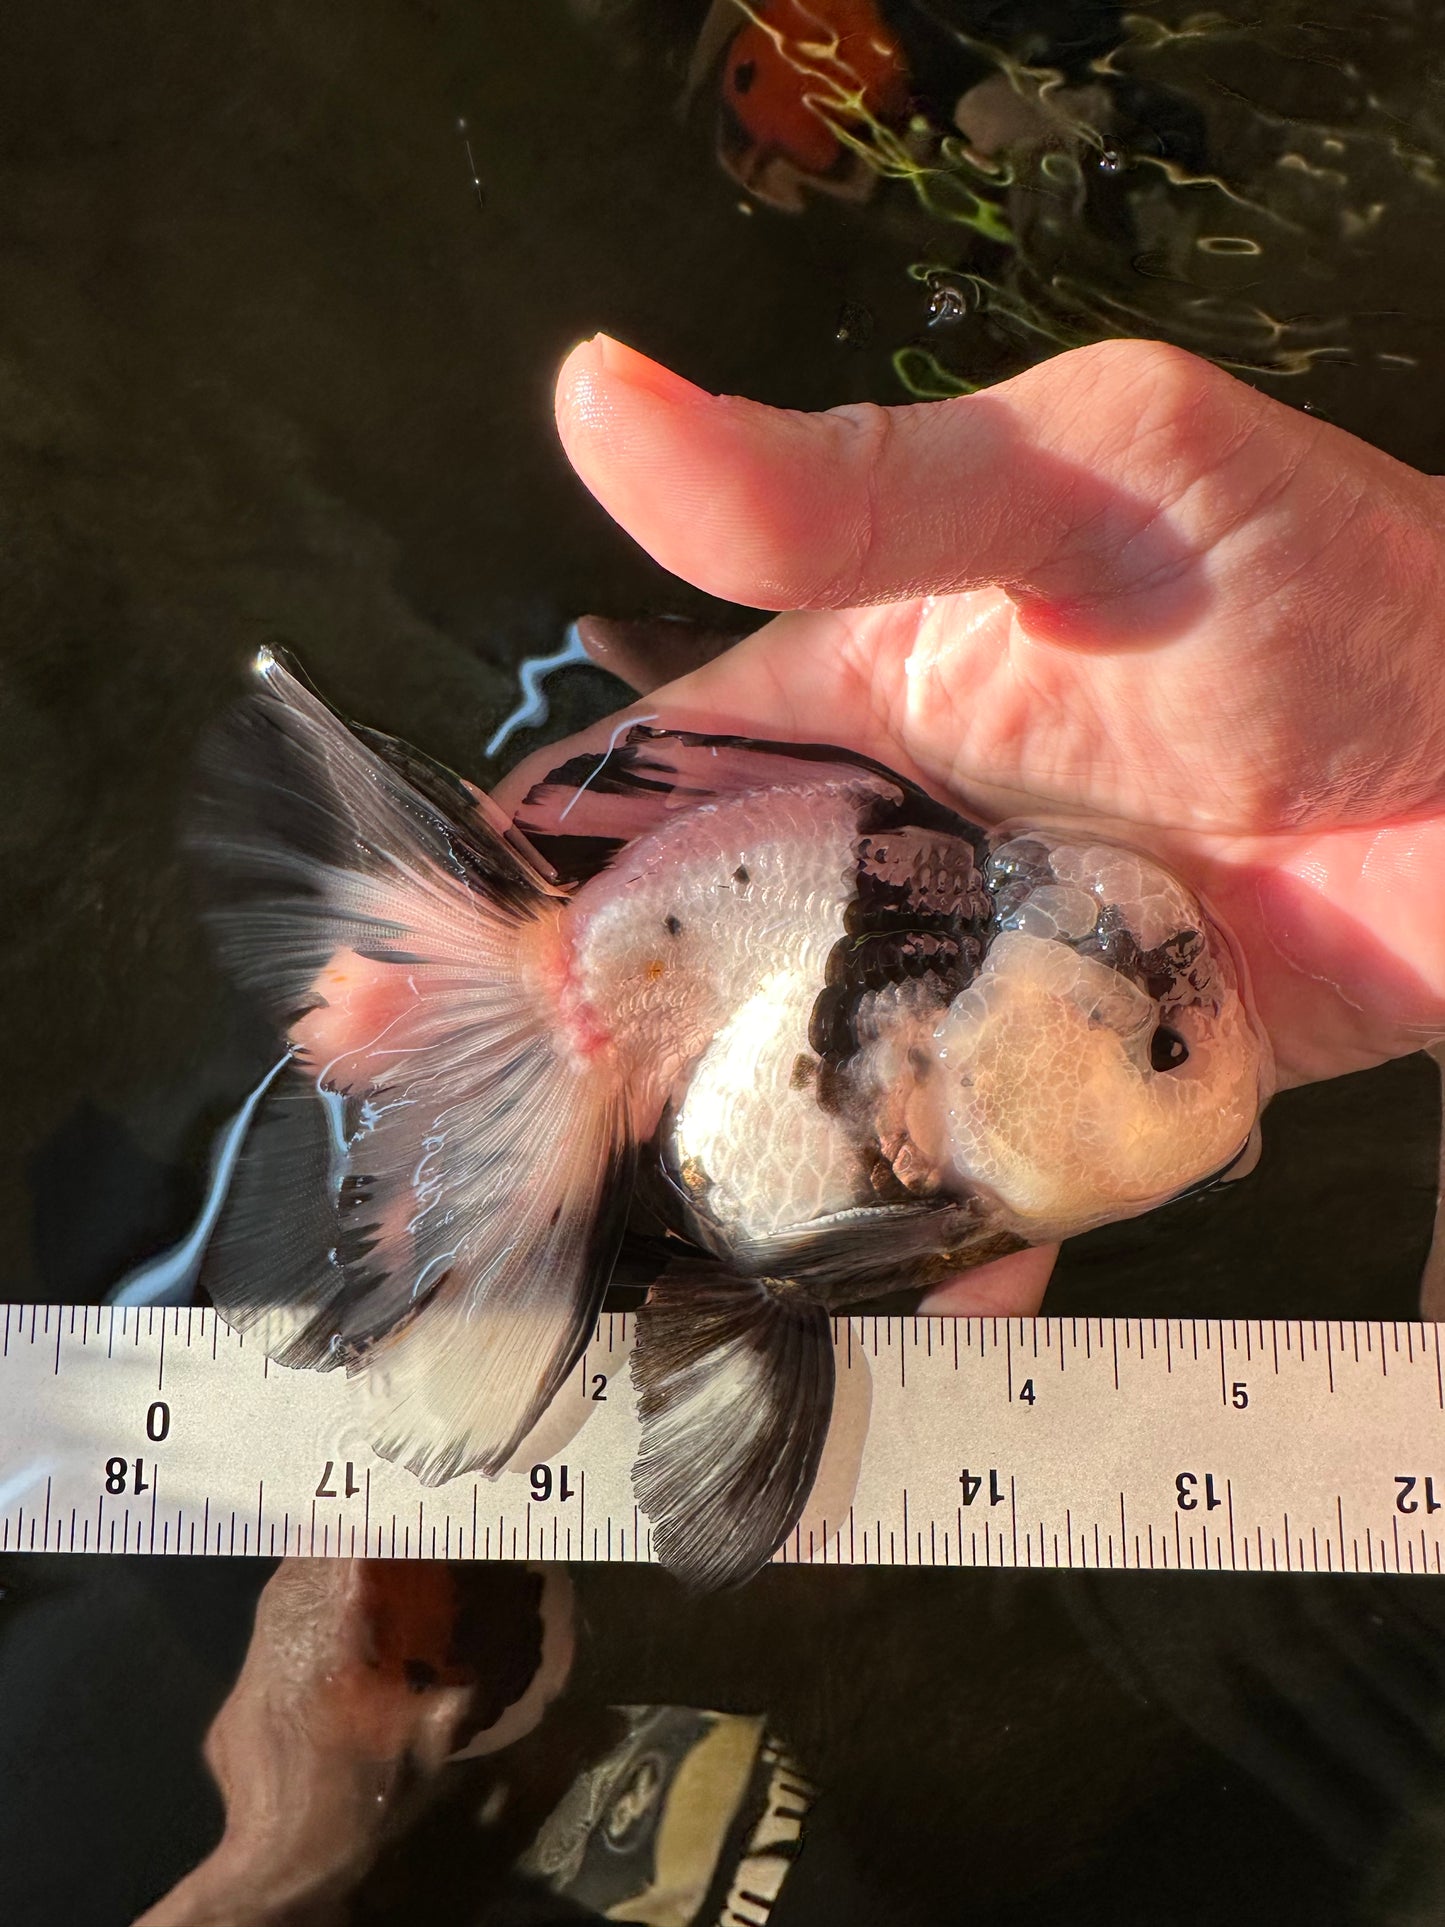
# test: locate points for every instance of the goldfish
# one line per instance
(363, 1679)
(833, 1036)
(795, 72)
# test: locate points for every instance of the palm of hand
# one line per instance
(1217, 637)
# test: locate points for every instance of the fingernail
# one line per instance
(638, 371)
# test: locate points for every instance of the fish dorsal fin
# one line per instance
(461, 802)
(587, 809)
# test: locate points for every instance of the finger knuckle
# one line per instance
(1163, 391)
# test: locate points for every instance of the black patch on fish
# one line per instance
(1176, 972)
(917, 810)
(831, 1035)
(497, 1638)
(734, 1382)
(882, 1178)
(919, 912)
(576, 858)
(740, 874)
(672, 926)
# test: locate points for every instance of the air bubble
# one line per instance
(948, 301)
(854, 328)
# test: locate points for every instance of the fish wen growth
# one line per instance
(812, 1034)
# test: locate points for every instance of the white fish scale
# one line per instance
(1152, 904)
(774, 1156)
(716, 1014)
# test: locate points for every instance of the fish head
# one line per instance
(1103, 1058)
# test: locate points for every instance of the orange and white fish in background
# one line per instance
(363, 1679)
(798, 78)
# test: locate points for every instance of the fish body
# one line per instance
(839, 1038)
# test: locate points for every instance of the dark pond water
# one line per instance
(275, 366)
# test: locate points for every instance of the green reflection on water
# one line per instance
(1231, 182)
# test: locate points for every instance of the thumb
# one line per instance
(1094, 489)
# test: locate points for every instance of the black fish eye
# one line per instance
(744, 74)
(1167, 1049)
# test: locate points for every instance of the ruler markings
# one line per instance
(1099, 1459)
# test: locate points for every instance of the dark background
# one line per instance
(271, 369)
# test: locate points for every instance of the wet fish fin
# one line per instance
(871, 1251)
(272, 1265)
(462, 802)
(584, 811)
(435, 1190)
(734, 1379)
(314, 837)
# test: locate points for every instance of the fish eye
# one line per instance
(744, 74)
(1167, 1049)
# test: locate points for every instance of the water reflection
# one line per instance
(533, 709)
(1227, 183)
(172, 1278)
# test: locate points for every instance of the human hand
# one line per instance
(1123, 586)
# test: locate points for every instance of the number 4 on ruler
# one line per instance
(972, 1483)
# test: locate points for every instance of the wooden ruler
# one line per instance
(1155, 1444)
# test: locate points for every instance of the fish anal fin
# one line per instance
(735, 1382)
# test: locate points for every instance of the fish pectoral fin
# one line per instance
(734, 1380)
(873, 1250)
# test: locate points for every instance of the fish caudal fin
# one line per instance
(434, 1190)
(735, 1390)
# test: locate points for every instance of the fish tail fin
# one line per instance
(434, 1190)
(735, 1384)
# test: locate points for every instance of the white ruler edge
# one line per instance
(1152, 1444)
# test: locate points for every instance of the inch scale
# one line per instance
(1140, 1444)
